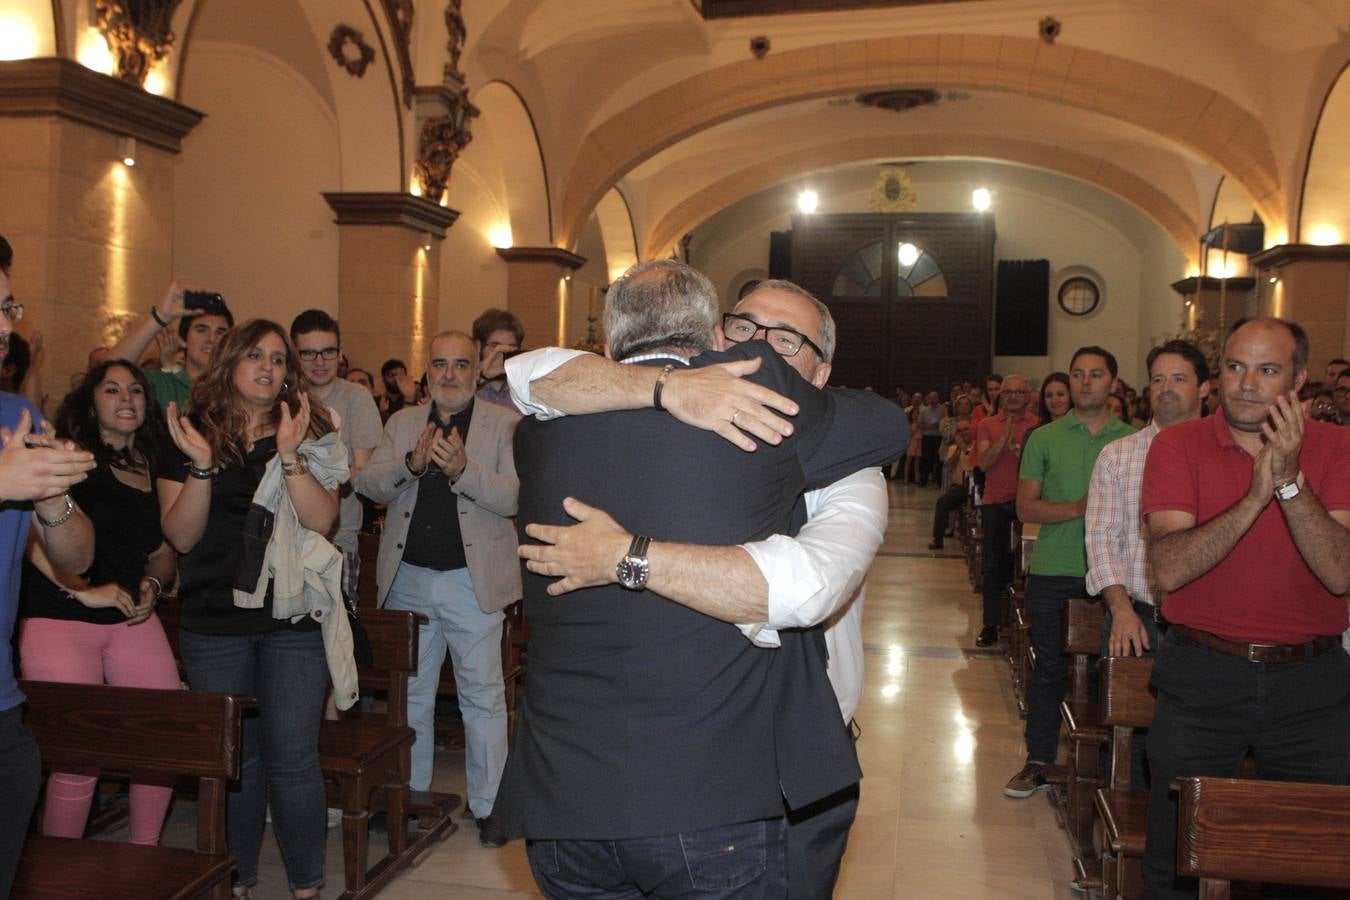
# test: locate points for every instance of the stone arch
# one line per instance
(1322, 214)
(520, 158)
(1199, 118)
(618, 231)
(1111, 178)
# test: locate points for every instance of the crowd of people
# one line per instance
(699, 689)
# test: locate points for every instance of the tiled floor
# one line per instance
(940, 736)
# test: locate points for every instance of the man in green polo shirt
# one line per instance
(1055, 473)
(199, 330)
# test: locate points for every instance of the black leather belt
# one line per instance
(1148, 611)
(1262, 653)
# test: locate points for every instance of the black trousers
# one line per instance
(995, 519)
(1214, 708)
(930, 466)
(20, 778)
(817, 836)
(948, 503)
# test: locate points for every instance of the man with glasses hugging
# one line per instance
(811, 581)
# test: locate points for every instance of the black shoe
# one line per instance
(935, 544)
(988, 637)
(490, 832)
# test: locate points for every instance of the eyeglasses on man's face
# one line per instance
(311, 355)
(784, 341)
(11, 309)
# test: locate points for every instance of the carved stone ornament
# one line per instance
(894, 191)
(442, 140)
(139, 34)
(400, 16)
(459, 33)
(349, 49)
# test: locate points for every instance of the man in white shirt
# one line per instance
(814, 579)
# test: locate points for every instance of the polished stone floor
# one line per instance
(940, 736)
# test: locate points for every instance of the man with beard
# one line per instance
(1055, 472)
(1249, 516)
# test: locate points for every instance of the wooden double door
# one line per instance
(911, 294)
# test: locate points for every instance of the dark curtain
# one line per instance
(780, 254)
(1022, 308)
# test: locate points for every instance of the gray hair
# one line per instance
(662, 304)
(827, 335)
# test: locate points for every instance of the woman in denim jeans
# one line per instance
(248, 406)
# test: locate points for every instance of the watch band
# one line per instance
(660, 384)
(638, 548)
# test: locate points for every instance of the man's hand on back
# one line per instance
(718, 398)
(581, 555)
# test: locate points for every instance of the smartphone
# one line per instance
(209, 301)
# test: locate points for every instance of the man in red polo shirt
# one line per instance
(1249, 513)
(998, 447)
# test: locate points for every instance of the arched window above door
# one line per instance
(917, 272)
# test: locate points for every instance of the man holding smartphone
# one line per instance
(202, 320)
(498, 333)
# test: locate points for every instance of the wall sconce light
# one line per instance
(426, 241)
(908, 254)
(981, 199)
(807, 201)
(1273, 279)
(1188, 303)
(567, 277)
(126, 150)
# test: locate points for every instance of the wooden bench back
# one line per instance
(1084, 620)
(1268, 831)
(135, 729)
(1127, 703)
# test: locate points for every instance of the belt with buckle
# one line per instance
(1262, 653)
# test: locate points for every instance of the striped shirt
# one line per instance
(1115, 548)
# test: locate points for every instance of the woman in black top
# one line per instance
(249, 406)
(100, 626)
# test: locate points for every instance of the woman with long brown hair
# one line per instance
(247, 408)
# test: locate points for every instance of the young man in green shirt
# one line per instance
(200, 331)
(1052, 491)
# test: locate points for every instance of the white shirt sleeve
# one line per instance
(527, 367)
(813, 575)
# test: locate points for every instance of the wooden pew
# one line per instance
(366, 761)
(140, 731)
(1083, 623)
(1127, 703)
(1268, 831)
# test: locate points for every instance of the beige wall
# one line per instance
(92, 238)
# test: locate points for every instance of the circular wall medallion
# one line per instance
(1079, 296)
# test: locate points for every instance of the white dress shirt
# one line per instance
(816, 577)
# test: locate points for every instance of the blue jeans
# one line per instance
(474, 639)
(746, 861)
(287, 673)
(1045, 604)
(995, 519)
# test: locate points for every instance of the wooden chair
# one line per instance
(1083, 623)
(141, 732)
(1270, 831)
(1127, 703)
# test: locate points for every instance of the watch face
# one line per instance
(632, 572)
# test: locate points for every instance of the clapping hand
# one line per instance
(291, 430)
(422, 451)
(1284, 436)
(36, 466)
(447, 452)
(188, 439)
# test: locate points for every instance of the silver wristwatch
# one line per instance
(1288, 490)
(633, 569)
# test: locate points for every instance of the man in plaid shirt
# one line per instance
(1117, 557)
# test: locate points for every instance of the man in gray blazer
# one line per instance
(448, 551)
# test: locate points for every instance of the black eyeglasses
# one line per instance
(784, 341)
(311, 355)
(12, 309)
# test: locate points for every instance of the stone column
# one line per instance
(92, 233)
(1309, 285)
(388, 275)
(539, 292)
